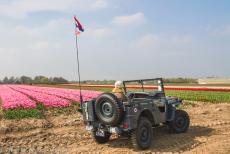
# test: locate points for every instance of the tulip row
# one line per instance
(21, 96)
(70, 94)
(12, 99)
(47, 100)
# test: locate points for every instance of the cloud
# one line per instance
(148, 40)
(163, 44)
(99, 32)
(100, 4)
(126, 20)
(26, 31)
(59, 23)
(32, 37)
(224, 30)
(182, 39)
(151, 40)
(22, 8)
(33, 50)
(44, 45)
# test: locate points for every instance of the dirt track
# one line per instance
(209, 133)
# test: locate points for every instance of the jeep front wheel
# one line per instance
(180, 122)
(142, 136)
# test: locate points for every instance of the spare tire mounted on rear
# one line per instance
(109, 109)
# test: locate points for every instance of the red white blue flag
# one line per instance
(79, 27)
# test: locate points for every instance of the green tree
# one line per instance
(5, 80)
(12, 79)
(17, 80)
(59, 80)
(44, 80)
(39, 79)
(25, 80)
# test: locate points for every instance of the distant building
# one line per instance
(214, 81)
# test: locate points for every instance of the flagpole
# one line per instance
(78, 69)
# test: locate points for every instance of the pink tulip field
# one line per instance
(22, 96)
(69, 94)
(12, 99)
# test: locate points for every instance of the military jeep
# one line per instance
(146, 107)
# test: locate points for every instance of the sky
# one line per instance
(123, 40)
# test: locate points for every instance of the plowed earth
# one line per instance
(209, 132)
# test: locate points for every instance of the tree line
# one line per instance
(180, 80)
(166, 80)
(36, 80)
(60, 80)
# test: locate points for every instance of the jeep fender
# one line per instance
(172, 102)
(170, 114)
(145, 113)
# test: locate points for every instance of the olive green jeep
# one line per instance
(146, 107)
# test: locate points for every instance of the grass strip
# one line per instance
(21, 113)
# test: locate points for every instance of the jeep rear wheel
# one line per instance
(142, 136)
(109, 109)
(180, 122)
(100, 139)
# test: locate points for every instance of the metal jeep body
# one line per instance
(151, 106)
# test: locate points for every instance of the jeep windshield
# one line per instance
(145, 85)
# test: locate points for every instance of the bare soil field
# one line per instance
(209, 132)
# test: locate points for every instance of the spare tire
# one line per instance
(109, 109)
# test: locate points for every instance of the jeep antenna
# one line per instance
(78, 30)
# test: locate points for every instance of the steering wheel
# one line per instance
(130, 95)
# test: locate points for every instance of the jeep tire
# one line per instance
(180, 122)
(109, 109)
(100, 139)
(142, 136)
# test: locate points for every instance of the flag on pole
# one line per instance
(79, 27)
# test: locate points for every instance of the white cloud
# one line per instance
(58, 23)
(33, 50)
(169, 44)
(44, 45)
(40, 37)
(21, 9)
(224, 30)
(26, 31)
(100, 4)
(99, 32)
(126, 20)
(148, 40)
(182, 39)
